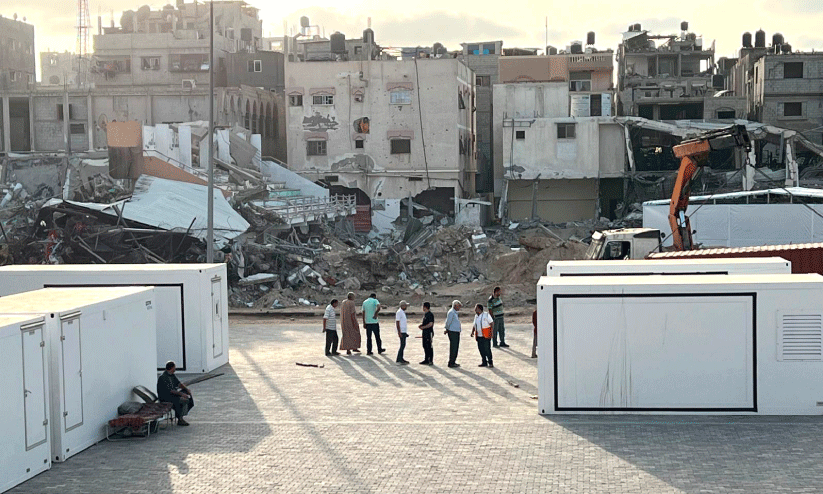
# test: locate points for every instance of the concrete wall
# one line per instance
(432, 117)
(711, 107)
(91, 108)
(16, 54)
(271, 77)
(557, 201)
(485, 66)
(773, 90)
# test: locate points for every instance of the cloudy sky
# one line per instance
(520, 23)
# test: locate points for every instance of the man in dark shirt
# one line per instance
(171, 390)
(428, 334)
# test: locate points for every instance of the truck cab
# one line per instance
(627, 243)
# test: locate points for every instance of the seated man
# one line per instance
(171, 390)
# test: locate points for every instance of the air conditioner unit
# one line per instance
(189, 84)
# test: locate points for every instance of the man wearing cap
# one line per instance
(402, 330)
(453, 331)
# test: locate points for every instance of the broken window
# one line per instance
(60, 112)
(189, 63)
(400, 146)
(483, 80)
(149, 63)
(113, 66)
(358, 50)
(565, 131)
(401, 97)
(725, 114)
(322, 99)
(792, 109)
(520, 134)
(358, 143)
(460, 103)
(793, 70)
(361, 125)
(315, 148)
(77, 128)
(296, 100)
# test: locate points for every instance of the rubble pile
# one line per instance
(417, 262)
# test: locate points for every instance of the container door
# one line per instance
(72, 371)
(170, 335)
(34, 385)
(217, 316)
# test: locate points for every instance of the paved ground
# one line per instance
(363, 424)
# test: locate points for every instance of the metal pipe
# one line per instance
(210, 212)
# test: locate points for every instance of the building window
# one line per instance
(474, 49)
(580, 81)
(114, 66)
(230, 33)
(565, 131)
(400, 146)
(358, 144)
(77, 128)
(189, 63)
(792, 109)
(401, 97)
(488, 49)
(315, 148)
(358, 50)
(725, 114)
(322, 99)
(461, 104)
(520, 134)
(483, 80)
(189, 25)
(793, 70)
(255, 66)
(13, 76)
(60, 112)
(296, 100)
(150, 63)
(595, 105)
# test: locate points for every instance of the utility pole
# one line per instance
(210, 232)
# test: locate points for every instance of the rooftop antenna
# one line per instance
(83, 23)
(547, 34)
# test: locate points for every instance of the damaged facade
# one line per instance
(557, 154)
(38, 120)
(16, 54)
(671, 77)
(388, 129)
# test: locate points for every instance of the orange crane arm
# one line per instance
(689, 153)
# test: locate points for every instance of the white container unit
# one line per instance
(100, 344)
(25, 450)
(752, 265)
(736, 344)
(191, 299)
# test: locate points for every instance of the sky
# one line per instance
(520, 24)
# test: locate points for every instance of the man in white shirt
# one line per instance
(330, 328)
(482, 331)
(402, 330)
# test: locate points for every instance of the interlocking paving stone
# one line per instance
(362, 424)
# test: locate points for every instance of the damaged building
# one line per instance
(16, 54)
(556, 152)
(387, 130)
(671, 77)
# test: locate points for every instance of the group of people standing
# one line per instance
(488, 329)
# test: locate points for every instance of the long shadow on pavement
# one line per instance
(144, 464)
(706, 454)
